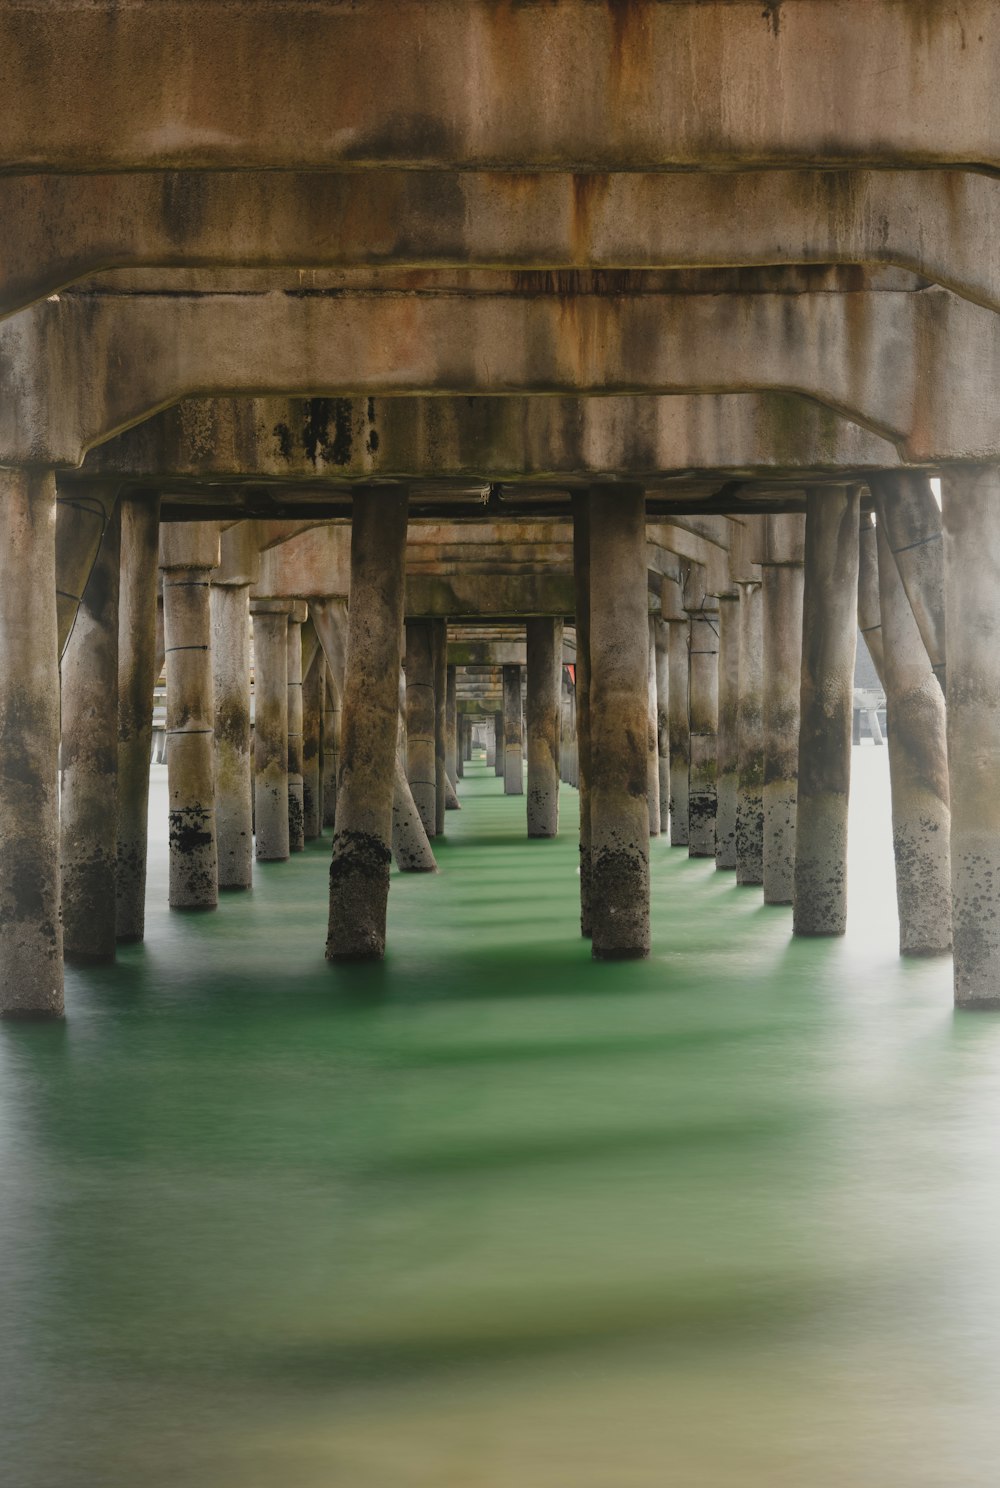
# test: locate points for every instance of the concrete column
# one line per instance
(829, 640)
(362, 846)
(82, 513)
(31, 973)
(728, 740)
(513, 744)
(661, 642)
(918, 770)
(913, 527)
(544, 655)
(313, 703)
(137, 674)
(971, 500)
(869, 603)
(293, 675)
(233, 773)
(679, 715)
(781, 613)
(89, 762)
(461, 736)
(467, 740)
(619, 710)
(652, 736)
(331, 748)
(440, 645)
(270, 748)
(750, 731)
(451, 725)
(491, 743)
(498, 744)
(421, 721)
(703, 712)
(581, 596)
(188, 553)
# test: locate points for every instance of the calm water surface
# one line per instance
(491, 1216)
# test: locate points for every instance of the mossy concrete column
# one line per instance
(498, 744)
(362, 845)
(679, 723)
(491, 742)
(513, 738)
(313, 702)
(918, 770)
(619, 715)
(728, 741)
(912, 519)
(829, 641)
(89, 762)
(781, 615)
(440, 645)
(238, 568)
(652, 736)
(581, 597)
(293, 640)
(31, 971)
(544, 660)
(451, 726)
(137, 674)
(331, 748)
(971, 501)
(188, 553)
(421, 721)
(270, 734)
(661, 643)
(703, 711)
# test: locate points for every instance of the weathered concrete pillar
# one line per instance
(728, 740)
(137, 674)
(451, 725)
(31, 973)
(672, 610)
(913, 526)
(918, 770)
(703, 711)
(89, 761)
(467, 740)
(421, 720)
(619, 710)
(188, 553)
(544, 654)
(270, 746)
(661, 642)
(971, 501)
(869, 603)
(440, 652)
(313, 704)
(581, 598)
(498, 744)
(652, 736)
(362, 846)
(293, 674)
(781, 612)
(331, 748)
(513, 743)
(239, 566)
(750, 730)
(829, 640)
(460, 742)
(491, 742)
(82, 513)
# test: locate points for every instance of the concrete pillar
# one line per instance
(829, 640)
(728, 740)
(513, 744)
(619, 710)
(293, 675)
(581, 597)
(491, 743)
(188, 553)
(869, 603)
(544, 656)
(270, 747)
(313, 703)
(89, 761)
(362, 846)
(451, 725)
(137, 675)
(703, 712)
(440, 644)
(661, 642)
(238, 569)
(652, 735)
(913, 527)
(82, 513)
(971, 585)
(461, 738)
(421, 721)
(918, 770)
(750, 731)
(498, 744)
(467, 740)
(331, 748)
(781, 613)
(31, 973)
(679, 715)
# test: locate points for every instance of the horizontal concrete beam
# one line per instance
(496, 653)
(582, 86)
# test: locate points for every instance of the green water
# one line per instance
(491, 1216)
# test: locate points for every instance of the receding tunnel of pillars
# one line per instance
(720, 715)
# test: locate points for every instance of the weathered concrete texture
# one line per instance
(971, 502)
(750, 731)
(452, 751)
(829, 640)
(411, 846)
(137, 674)
(313, 703)
(652, 738)
(491, 742)
(233, 769)
(918, 771)
(440, 645)
(782, 596)
(619, 714)
(270, 747)
(293, 641)
(498, 745)
(544, 639)
(89, 762)
(581, 590)
(331, 749)
(82, 514)
(513, 733)
(680, 731)
(869, 604)
(727, 742)
(913, 523)
(194, 862)
(703, 708)
(421, 721)
(661, 641)
(31, 974)
(362, 845)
